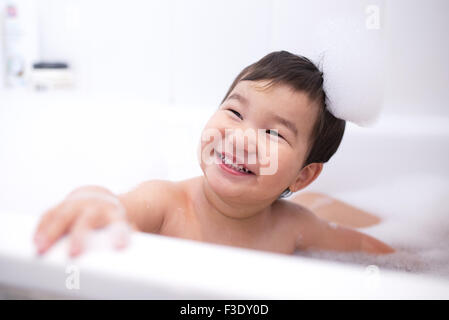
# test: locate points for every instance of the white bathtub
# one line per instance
(50, 144)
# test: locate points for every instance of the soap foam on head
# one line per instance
(352, 58)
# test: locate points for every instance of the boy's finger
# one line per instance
(43, 223)
(54, 229)
(372, 245)
(78, 234)
(119, 232)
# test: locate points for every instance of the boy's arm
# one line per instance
(324, 235)
(147, 204)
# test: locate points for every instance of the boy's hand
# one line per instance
(84, 209)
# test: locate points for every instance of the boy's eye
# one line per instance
(275, 133)
(236, 113)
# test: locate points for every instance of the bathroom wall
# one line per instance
(188, 52)
(418, 51)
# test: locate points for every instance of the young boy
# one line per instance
(236, 202)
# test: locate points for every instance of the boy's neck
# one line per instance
(232, 214)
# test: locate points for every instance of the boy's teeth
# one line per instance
(229, 163)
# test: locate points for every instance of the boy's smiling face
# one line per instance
(252, 105)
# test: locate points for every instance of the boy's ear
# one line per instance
(306, 176)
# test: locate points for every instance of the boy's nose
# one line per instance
(241, 142)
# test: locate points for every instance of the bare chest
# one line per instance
(186, 225)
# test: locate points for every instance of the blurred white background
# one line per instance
(144, 65)
(190, 51)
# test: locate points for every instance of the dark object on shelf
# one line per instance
(50, 65)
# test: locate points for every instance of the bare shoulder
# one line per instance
(298, 221)
(149, 202)
(161, 188)
(293, 212)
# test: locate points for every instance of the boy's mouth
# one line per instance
(229, 165)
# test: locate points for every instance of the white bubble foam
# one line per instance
(352, 58)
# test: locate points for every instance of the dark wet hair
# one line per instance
(298, 72)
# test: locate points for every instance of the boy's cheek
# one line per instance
(273, 184)
(283, 176)
(275, 163)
